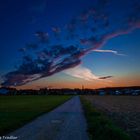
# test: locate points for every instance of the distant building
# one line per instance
(70, 92)
(128, 91)
(4, 91)
(117, 92)
(136, 92)
(101, 92)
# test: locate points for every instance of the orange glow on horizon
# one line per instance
(116, 82)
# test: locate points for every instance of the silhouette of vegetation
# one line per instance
(135, 90)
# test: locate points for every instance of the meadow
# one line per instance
(15, 111)
(123, 111)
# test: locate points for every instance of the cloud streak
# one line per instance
(109, 51)
(84, 73)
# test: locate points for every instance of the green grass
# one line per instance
(100, 127)
(16, 111)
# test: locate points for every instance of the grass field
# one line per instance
(123, 110)
(15, 111)
(100, 127)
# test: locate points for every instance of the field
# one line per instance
(15, 111)
(123, 110)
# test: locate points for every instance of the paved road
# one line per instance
(66, 122)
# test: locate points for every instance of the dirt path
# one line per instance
(66, 122)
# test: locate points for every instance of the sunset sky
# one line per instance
(69, 43)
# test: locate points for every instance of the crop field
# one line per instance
(124, 111)
(15, 111)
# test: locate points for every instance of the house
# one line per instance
(4, 91)
(136, 92)
(117, 92)
(101, 92)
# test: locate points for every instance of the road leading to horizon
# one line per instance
(66, 122)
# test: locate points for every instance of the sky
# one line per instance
(69, 43)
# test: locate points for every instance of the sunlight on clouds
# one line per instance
(110, 51)
(81, 72)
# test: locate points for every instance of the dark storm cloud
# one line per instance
(105, 77)
(103, 24)
(32, 46)
(29, 46)
(56, 31)
(71, 28)
(42, 36)
(47, 64)
(23, 50)
(84, 17)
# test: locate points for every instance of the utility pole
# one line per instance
(82, 87)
